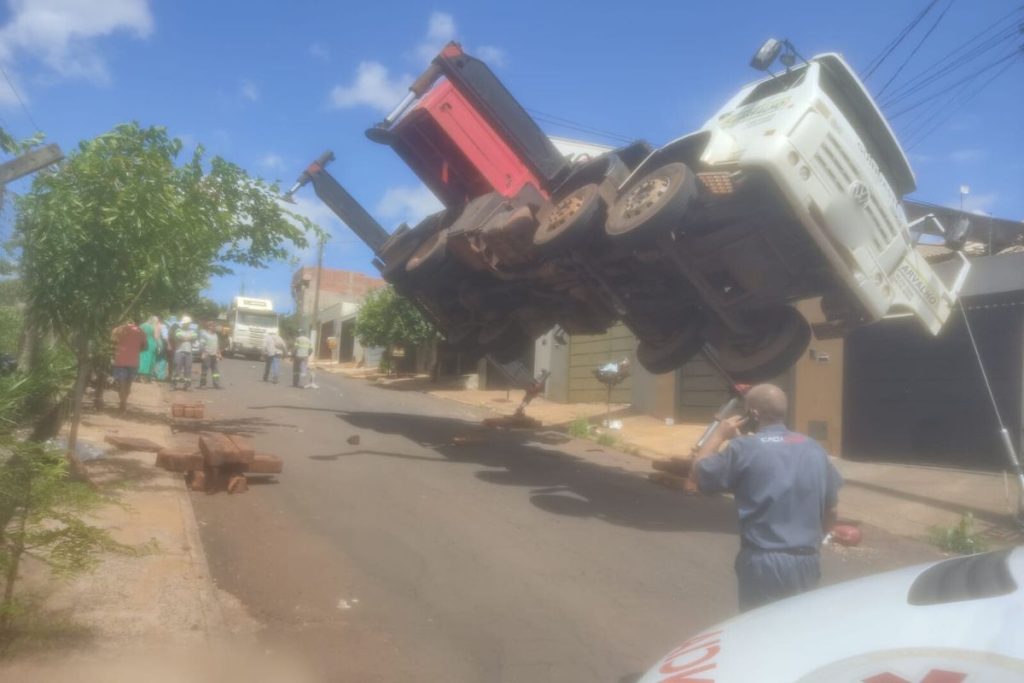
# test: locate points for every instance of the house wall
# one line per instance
(587, 353)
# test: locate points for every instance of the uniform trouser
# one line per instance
(183, 364)
(211, 364)
(271, 367)
(765, 576)
(300, 364)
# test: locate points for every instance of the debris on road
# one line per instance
(517, 421)
(131, 443)
(219, 463)
(353, 440)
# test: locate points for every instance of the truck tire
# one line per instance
(566, 222)
(656, 202)
(780, 337)
(666, 356)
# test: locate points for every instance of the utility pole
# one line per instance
(316, 299)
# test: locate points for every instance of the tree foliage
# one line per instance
(386, 319)
(121, 229)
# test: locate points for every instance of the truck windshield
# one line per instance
(257, 319)
(773, 86)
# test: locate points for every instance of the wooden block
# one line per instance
(187, 410)
(197, 480)
(130, 443)
(193, 412)
(238, 484)
(223, 449)
(177, 410)
(178, 460)
(670, 481)
(677, 466)
(264, 463)
(243, 448)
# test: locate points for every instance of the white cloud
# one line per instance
(963, 156)
(319, 51)
(373, 87)
(493, 56)
(62, 35)
(271, 161)
(440, 30)
(407, 204)
(249, 90)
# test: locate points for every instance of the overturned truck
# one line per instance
(793, 190)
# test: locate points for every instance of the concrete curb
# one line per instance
(213, 616)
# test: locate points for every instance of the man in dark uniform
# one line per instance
(786, 491)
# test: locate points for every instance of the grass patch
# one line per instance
(579, 428)
(605, 439)
(960, 539)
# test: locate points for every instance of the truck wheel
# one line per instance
(779, 338)
(429, 255)
(666, 356)
(656, 202)
(568, 220)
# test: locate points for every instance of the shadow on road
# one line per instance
(561, 483)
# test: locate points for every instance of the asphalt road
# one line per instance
(513, 557)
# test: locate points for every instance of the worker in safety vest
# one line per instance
(300, 359)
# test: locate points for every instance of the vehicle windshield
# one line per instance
(257, 319)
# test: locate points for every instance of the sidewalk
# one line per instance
(906, 500)
(97, 626)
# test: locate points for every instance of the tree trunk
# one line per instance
(84, 369)
(16, 548)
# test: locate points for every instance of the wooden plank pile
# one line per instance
(219, 462)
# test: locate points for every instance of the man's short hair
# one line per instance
(769, 401)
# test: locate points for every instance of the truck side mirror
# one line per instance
(957, 236)
(767, 54)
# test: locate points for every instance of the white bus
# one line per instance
(249, 322)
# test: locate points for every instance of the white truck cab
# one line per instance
(803, 174)
(250, 320)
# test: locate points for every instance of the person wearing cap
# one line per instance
(786, 491)
(184, 337)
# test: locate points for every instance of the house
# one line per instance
(341, 293)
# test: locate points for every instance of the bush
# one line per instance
(605, 439)
(961, 538)
(579, 428)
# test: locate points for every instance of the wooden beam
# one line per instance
(30, 162)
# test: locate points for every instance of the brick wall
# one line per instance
(335, 285)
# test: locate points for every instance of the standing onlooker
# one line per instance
(273, 348)
(147, 359)
(300, 358)
(209, 345)
(786, 490)
(184, 338)
(129, 341)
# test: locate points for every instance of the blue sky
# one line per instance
(270, 85)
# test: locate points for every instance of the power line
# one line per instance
(917, 47)
(574, 125)
(956, 105)
(24, 107)
(946, 90)
(895, 42)
(926, 78)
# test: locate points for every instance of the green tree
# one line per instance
(120, 229)
(387, 319)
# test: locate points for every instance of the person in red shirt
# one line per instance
(129, 342)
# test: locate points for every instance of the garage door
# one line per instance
(589, 352)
